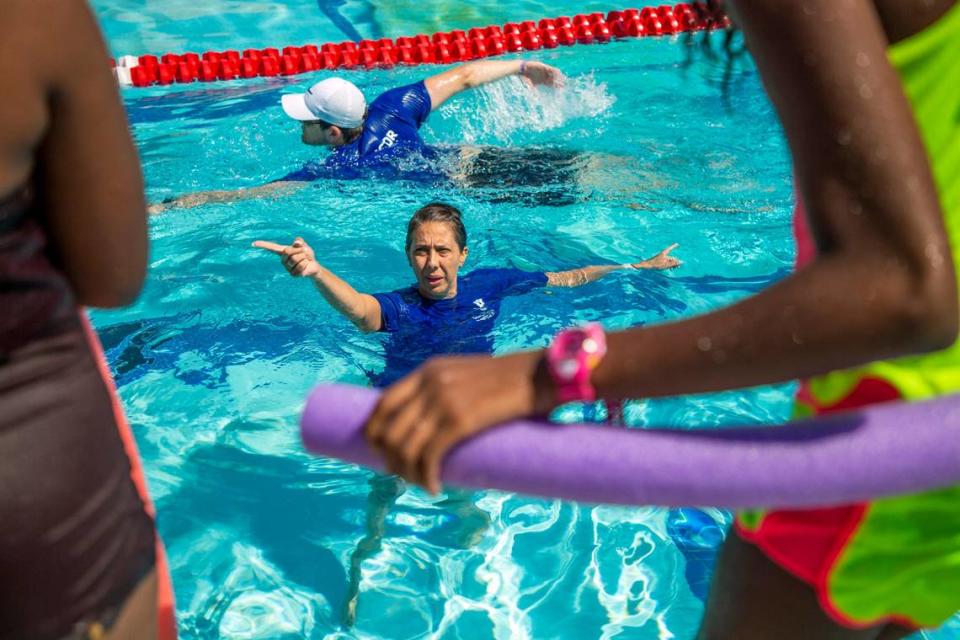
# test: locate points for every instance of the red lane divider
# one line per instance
(440, 48)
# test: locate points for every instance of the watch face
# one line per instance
(567, 368)
(575, 343)
(572, 355)
(590, 346)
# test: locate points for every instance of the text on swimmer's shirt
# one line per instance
(390, 130)
(421, 327)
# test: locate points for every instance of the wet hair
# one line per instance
(712, 11)
(349, 135)
(438, 212)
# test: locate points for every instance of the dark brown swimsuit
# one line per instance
(75, 536)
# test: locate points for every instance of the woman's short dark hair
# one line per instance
(438, 212)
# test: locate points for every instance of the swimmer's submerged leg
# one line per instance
(384, 491)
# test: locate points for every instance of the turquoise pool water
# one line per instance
(215, 359)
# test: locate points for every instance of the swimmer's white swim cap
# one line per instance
(333, 100)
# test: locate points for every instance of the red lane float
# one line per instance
(440, 48)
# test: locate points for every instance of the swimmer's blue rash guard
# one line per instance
(420, 328)
(390, 131)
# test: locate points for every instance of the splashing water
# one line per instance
(510, 107)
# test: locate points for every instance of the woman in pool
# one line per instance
(866, 91)
(77, 539)
(444, 312)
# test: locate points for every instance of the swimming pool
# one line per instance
(214, 361)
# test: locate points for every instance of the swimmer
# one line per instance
(334, 113)
(867, 94)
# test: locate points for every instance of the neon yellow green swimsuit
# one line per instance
(898, 559)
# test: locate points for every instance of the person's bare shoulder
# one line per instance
(23, 111)
(41, 42)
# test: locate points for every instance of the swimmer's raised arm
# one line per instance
(196, 199)
(444, 86)
(583, 275)
(299, 260)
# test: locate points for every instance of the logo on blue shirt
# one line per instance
(389, 140)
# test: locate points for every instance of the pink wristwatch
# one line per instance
(572, 357)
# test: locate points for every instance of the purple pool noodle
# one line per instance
(884, 450)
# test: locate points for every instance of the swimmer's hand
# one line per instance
(157, 208)
(662, 260)
(297, 258)
(187, 201)
(164, 205)
(538, 73)
(418, 420)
